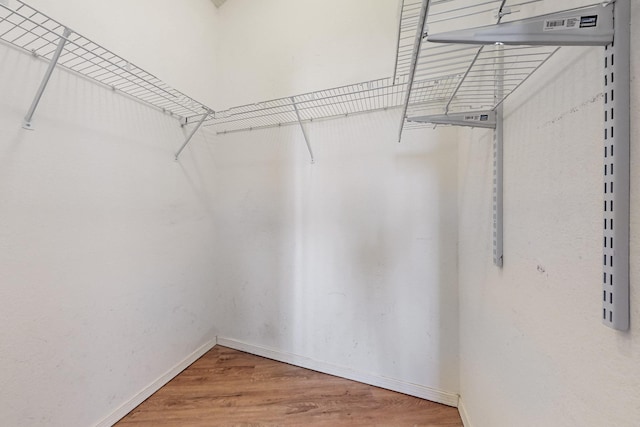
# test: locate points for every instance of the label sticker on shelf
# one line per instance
(562, 24)
(589, 21)
(477, 118)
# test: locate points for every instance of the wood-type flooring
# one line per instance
(226, 387)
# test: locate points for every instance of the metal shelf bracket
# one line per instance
(586, 26)
(606, 24)
(27, 123)
(193, 132)
(304, 132)
(474, 119)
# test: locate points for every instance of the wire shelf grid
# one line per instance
(466, 75)
(26, 28)
(336, 102)
(447, 77)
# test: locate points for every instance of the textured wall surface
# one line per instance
(533, 349)
(118, 262)
(105, 248)
(351, 261)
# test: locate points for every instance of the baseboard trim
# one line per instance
(143, 395)
(463, 413)
(446, 398)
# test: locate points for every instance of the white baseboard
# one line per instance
(446, 398)
(463, 414)
(143, 395)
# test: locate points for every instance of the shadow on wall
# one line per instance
(351, 261)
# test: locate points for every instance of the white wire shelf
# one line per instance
(448, 78)
(329, 103)
(461, 78)
(28, 29)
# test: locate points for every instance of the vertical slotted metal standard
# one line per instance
(615, 312)
(498, 253)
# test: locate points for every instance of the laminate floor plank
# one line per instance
(227, 387)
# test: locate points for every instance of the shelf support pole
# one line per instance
(417, 46)
(27, 123)
(193, 132)
(304, 132)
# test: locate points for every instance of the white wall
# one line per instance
(118, 262)
(105, 248)
(350, 261)
(276, 48)
(533, 350)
